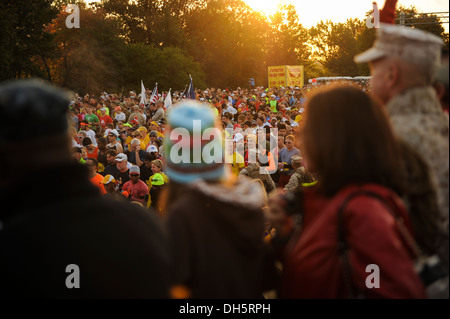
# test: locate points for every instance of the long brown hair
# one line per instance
(348, 140)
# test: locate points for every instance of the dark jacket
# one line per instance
(216, 239)
(119, 248)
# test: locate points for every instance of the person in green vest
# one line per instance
(273, 103)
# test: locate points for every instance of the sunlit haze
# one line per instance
(312, 12)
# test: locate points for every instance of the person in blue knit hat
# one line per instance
(199, 155)
(214, 219)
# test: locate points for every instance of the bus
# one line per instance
(341, 79)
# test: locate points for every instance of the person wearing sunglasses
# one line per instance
(135, 187)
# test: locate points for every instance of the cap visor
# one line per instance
(370, 55)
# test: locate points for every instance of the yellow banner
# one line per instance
(294, 75)
(277, 76)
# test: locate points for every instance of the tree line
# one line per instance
(221, 43)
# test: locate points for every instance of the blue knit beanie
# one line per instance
(193, 146)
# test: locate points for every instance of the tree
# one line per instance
(25, 43)
(225, 38)
(427, 22)
(289, 38)
(96, 57)
(336, 44)
(169, 67)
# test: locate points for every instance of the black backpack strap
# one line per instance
(342, 246)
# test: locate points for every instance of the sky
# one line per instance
(311, 12)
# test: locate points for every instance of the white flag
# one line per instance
(143, 102)
(168, 100)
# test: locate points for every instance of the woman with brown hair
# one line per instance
(355, 228)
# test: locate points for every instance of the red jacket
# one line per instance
(312, 266)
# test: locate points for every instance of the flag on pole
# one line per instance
(191, 93)
(168, 100)
(154, 96)
(143, 102)
(184, 95)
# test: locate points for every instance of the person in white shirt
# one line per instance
(120, 116)
(229, 109)
(113, 143)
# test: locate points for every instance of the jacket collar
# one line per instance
(47, 186)
(243, 193)
(421, 100)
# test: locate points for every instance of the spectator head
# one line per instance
(296, 161)
(153, 135)
(251, 141)
(290, 142)
(109, 183)
(152, 149)
(281, 129)
(134, 173)
(260, 121)
(157, 180)
(281, 144)
(196, 119)
(153, 126)
(273, 122)
(148, 158)
(401, 58)
(113, 135)
(92, 165)
(225, 119)
(41, 111)
(87, 141)
(76, 153)
(84, 153)
(111, 156)
(121, 162)
(80, 136)
(339, 125)
(136, 134)
(157, 166)
(101, 143)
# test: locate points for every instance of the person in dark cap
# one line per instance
(64, 240)
(403, 64)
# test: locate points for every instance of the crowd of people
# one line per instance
(121, 134)
(301, 190)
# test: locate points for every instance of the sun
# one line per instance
(267, 7)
